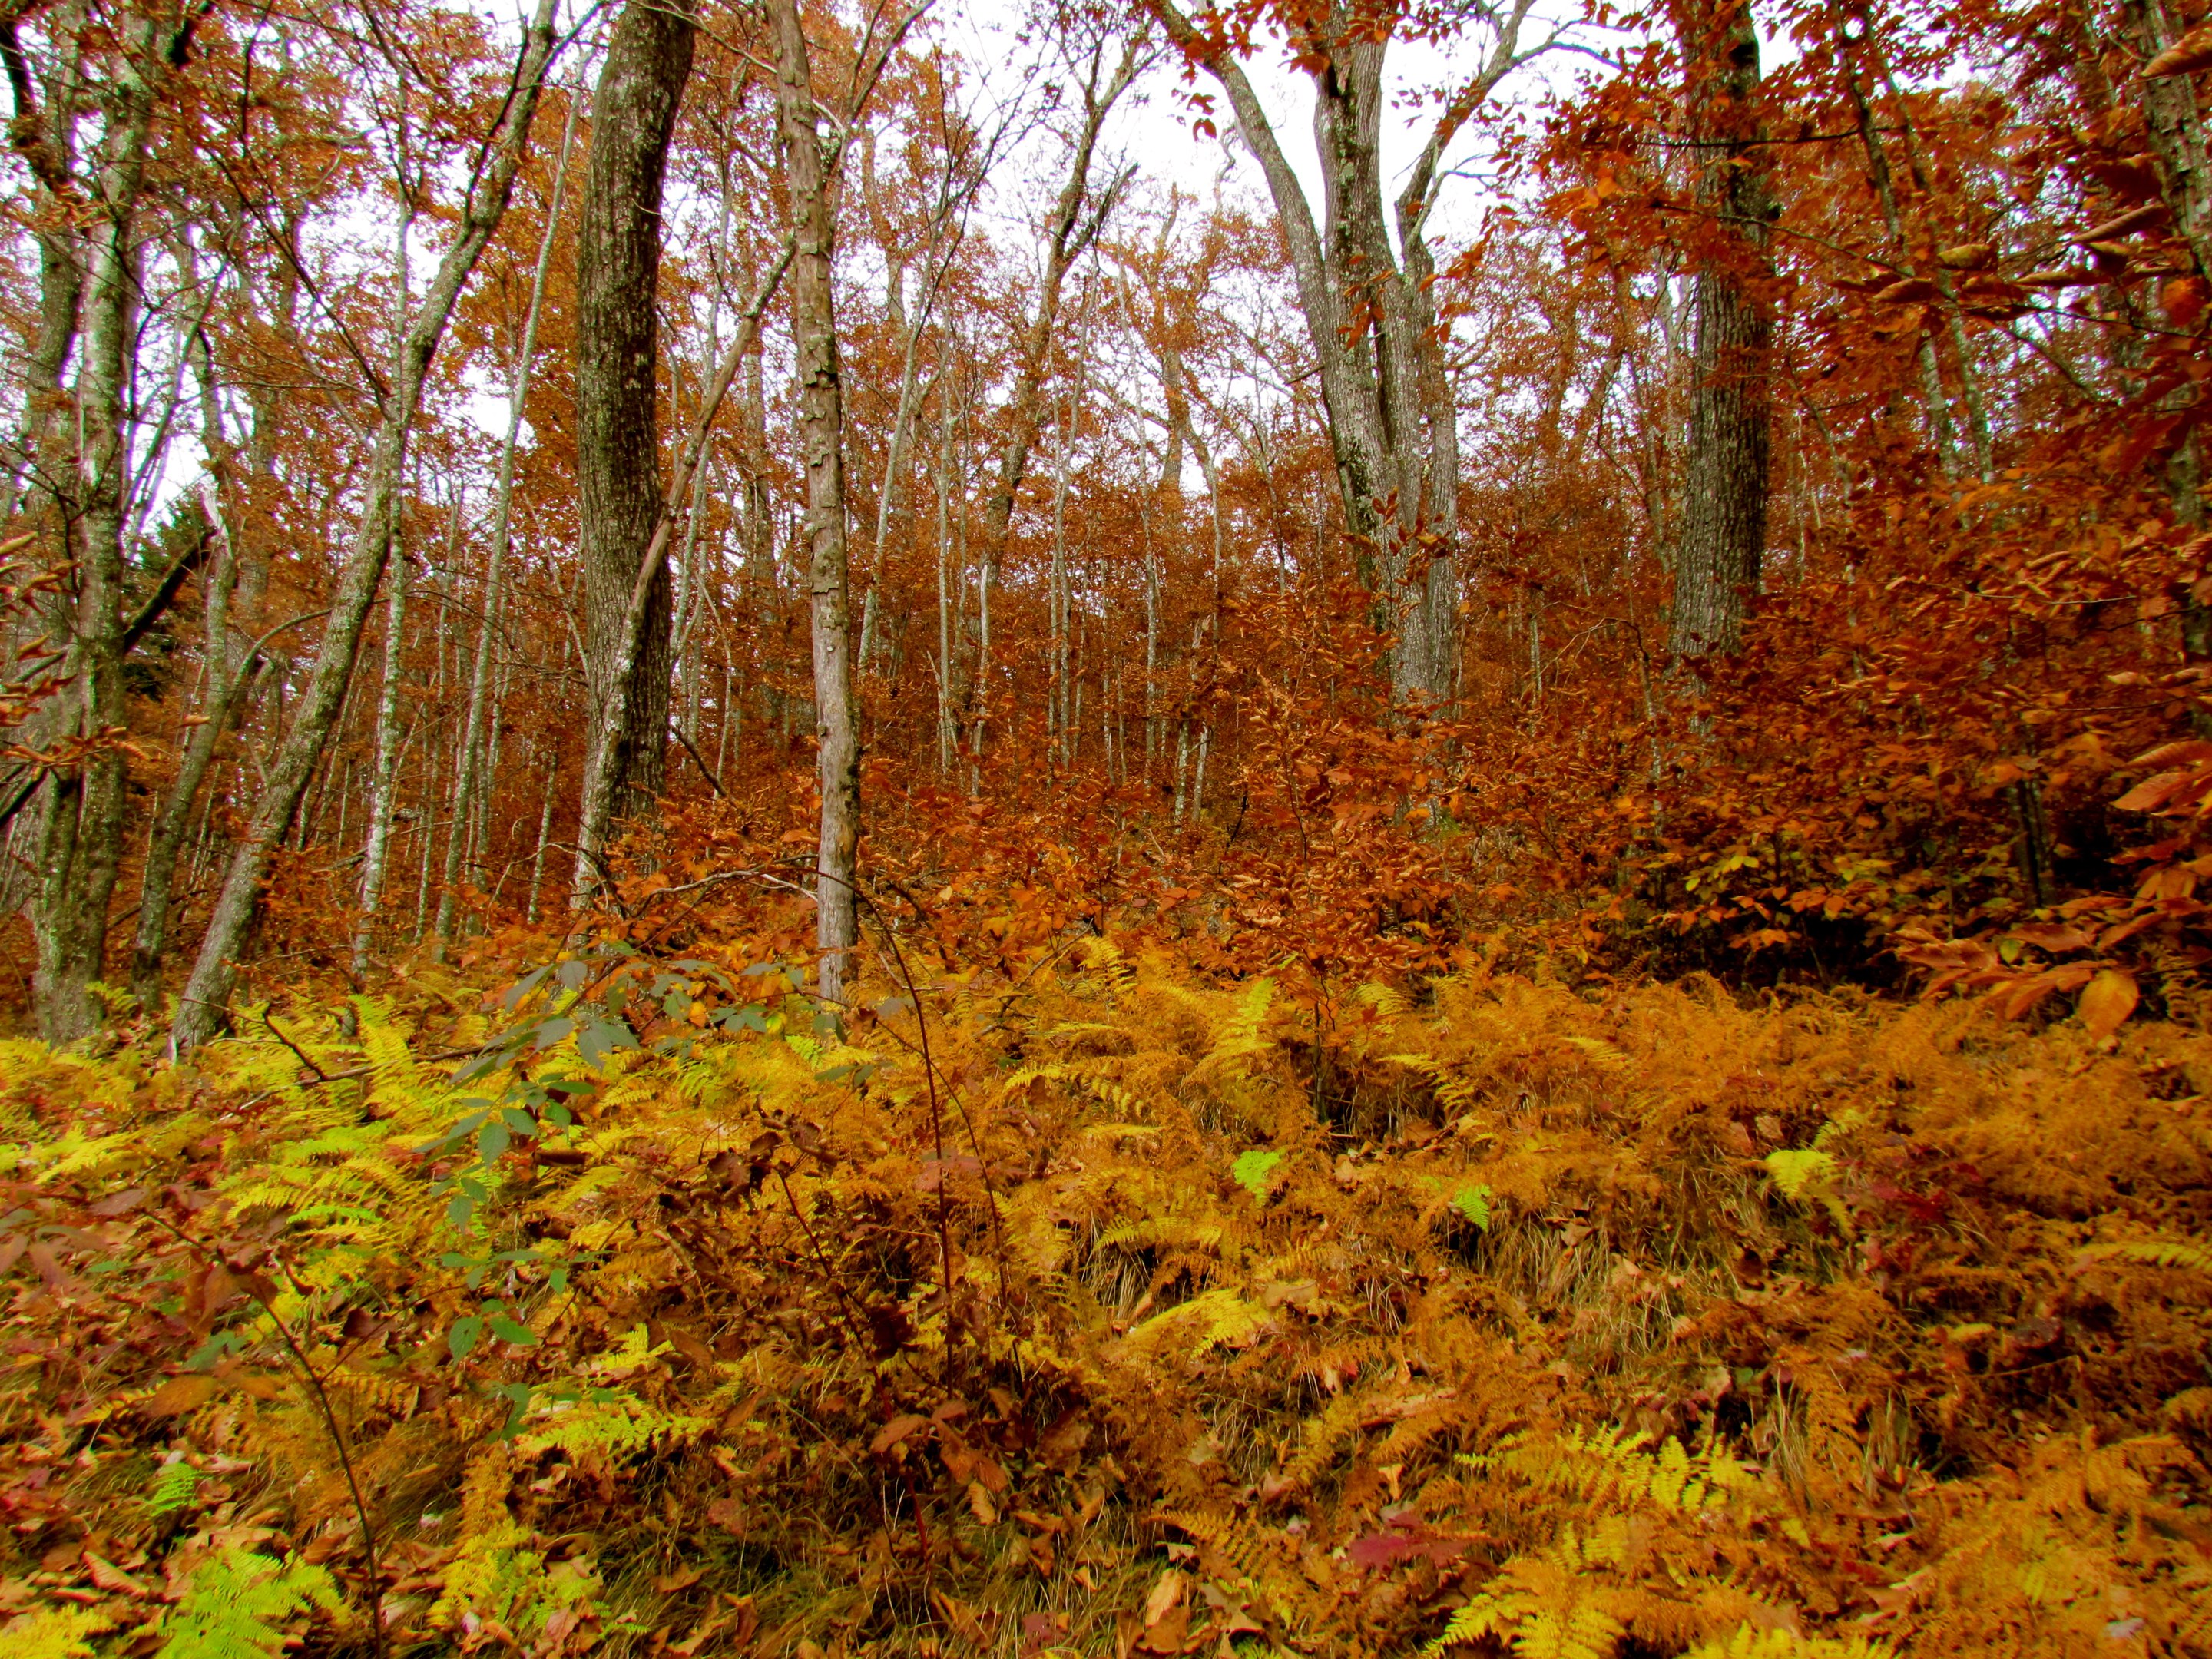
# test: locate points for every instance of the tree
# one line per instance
(1725, 470)
(1369, 313)
(618, 361)
(81, 845)
(205, 1003)
(808, 171)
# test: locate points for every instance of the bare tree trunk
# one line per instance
(1078, 216)
(1726, 482)
(384, 784)
(619, 492)
(822, 437)
(945, 639)
(156, 885)
(470, 784)
(81, 847)
(1391, 426)
(206, 1000)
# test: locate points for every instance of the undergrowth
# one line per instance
(648, 1309)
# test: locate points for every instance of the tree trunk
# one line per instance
(207, 995)
(225, 667)
(821, 440)
(471, 782)
(1725, 483)
(1371, 320)
(81, 847)
(619, 492)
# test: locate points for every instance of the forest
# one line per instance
(893, 828)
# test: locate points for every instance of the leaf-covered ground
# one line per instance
(642, 1307)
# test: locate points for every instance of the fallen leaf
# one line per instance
(2106, 1002)
(1166, 1592)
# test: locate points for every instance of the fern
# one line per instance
(237, 1603)
(1543, 1606)
(174, 1484)
(1213, 1319)
(1253, 1169)
(608, 1424)
(1750, 1642)
(2154, 1253)
(57, 1633)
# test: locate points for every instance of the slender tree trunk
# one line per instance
(384, 784)
(822, 438)
(619, 490)
(224, 664)
(1726, 470)
(470, 784)
(207, 995)
(945, 639)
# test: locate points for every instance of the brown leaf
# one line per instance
(980, 1504)
(1167, 1591)
(2107, 1001)
(180, 1394)
(1968, 256)
(896, 1431)
(109, 1576)
(2125, 224)
(1913, 290)
(2191, 54)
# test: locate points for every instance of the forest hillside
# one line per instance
(1246, 829)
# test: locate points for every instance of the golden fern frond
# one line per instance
(1324, 1436)
(1751, 1642)
(1386, 1000)
(1213, 1319)
(2153, 1252)
(1456, 1093)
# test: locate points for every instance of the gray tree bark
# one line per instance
(81, 847)
(471, 782)
(617, 360)
(808, 171)
(205, 1004)
(1370, 317)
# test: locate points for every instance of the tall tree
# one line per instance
(81, 847)
(205, 1004)
(1725, 481)
(808, 171)
(1368, 311)
(618, 488)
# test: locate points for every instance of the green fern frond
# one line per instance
(609, 1423)
(237, 1604)
(173, 1488)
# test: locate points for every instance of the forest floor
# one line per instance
(642, 1307)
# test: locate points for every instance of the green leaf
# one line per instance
(601, 1037)
(492, 1142)
(1474, 1203)
(1253, 1168)
(1795, 1169)
(507, 1330)
(461, 1340)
